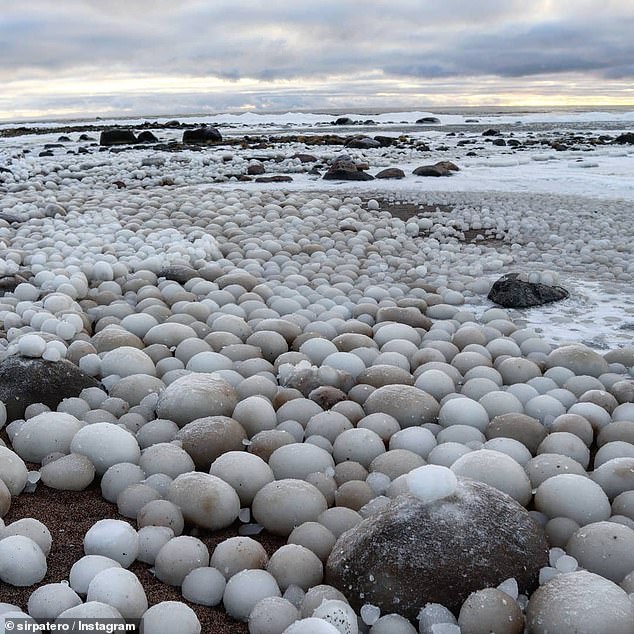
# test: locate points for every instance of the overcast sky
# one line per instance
(103, 57)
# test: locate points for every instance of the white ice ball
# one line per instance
(245, 589)
(432, 482)
(84, 570)
(112, 538)
(121, 589)
(22, 562)
(168, 617)
(106, 444)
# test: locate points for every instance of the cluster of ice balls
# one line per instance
(192, 373)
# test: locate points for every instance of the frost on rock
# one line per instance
(477, 537)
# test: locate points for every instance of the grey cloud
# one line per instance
(422, 40)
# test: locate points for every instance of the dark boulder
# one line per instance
(345, 169)
(385, 141)
(63, 139)
(147, 137)
(178, 272)
(442, 168)
(412, 553)
(344, 121)
(491, 132)
(117, 136)
(206, 134)
(362, 143)
(24, 381)
(305, 158)
(391, 172)
(85, 137)
(277, 178)
(626, 138)
(500, 142)
(511, 291)
(428, 120)
(255, 169)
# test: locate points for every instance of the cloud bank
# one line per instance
(154, 55)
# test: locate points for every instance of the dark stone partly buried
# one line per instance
(344, 121)
(345, 169)
(277, 178)
(442, 168)
(412, 553)
(24, 381)
(206, 134)
(147, 137)
(512, 292)
(117, 136)
(625, 138)
(391, 172)
(428, 120)
(362, 143)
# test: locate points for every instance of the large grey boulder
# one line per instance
(24, 381)
(412, 553)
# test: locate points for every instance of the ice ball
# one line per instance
(432, 482)
(115, 539)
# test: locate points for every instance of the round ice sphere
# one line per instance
(272, 615)
(297, 460)
(432, 482)
(491, 610)
(115, 539)
(204, 586)
(293, 564)
(497, 470)
(245, 589)
(339, 613)
(359, 445)
(393, 624)
(544, 408)
(50, 600)
(22, 562)
(580, 602)
(194, 396)
(314, 536)
(416, 439)
(13, 471)
(312, 625)
(170, 616)
(31, 345)
(282, 505)
(45, 433)
(33, 529)
(566, 444)
(84, 570)
(121, 589)
(106, 444)
(573, 496)
(178, 558)
(199, 493)
(605, 548)
(238, 553)
(463, 411)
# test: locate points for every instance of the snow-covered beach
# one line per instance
(309, 308)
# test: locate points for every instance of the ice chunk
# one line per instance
(431, 482)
